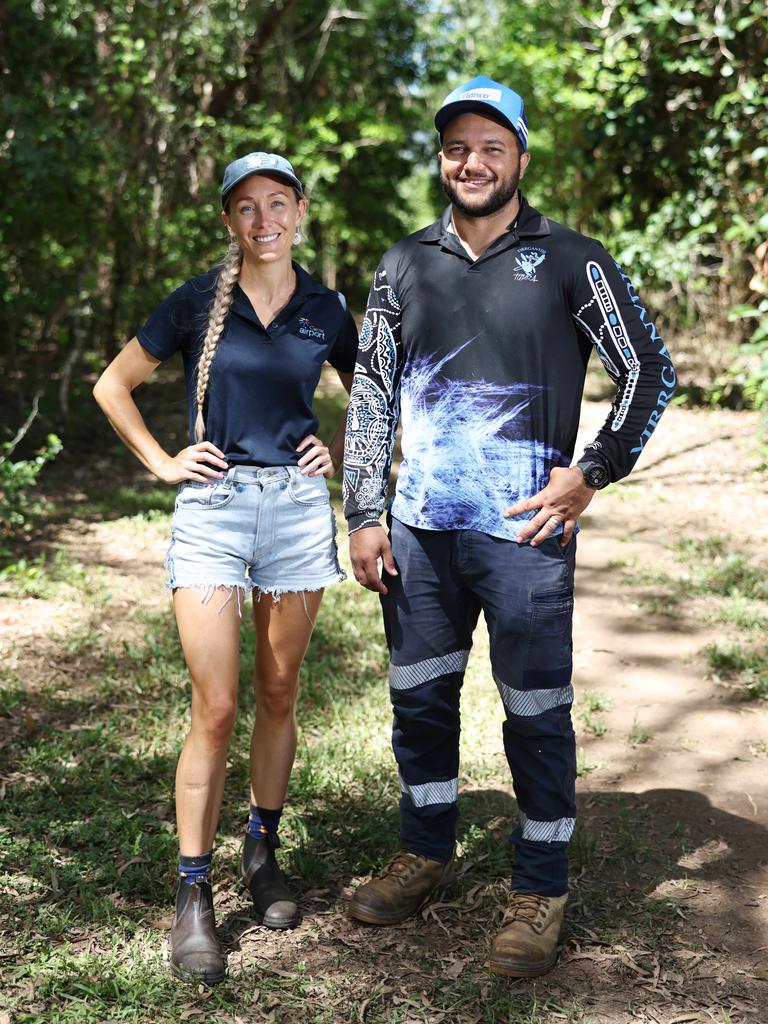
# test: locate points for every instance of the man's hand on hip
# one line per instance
(366, 547)
(562, 501)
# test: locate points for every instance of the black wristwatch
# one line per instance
(595, 473)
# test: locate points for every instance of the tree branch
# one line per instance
(223, 97)
(22, 429)
(334, 14)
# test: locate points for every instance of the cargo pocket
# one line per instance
(550, 645)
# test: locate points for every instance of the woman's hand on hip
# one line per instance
(201, 462)
(316, 460)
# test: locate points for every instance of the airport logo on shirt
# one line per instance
(527, 259)
(308, 329)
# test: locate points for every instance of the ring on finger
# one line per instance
(553, 521)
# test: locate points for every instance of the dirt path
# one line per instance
(699, 481)
(669, 914)
(680, 740)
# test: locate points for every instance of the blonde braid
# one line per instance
(225, 287)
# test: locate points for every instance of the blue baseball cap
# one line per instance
(272, 164)
(484, 96)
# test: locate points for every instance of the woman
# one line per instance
(252, 513)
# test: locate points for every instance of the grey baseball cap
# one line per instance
(271, 164)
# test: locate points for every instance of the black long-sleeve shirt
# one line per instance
(484, 362)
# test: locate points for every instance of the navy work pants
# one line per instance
(526, 595)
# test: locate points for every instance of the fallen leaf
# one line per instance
(627, 960)
(455, 969)
(280, 974)
(452, 905)
(31, 725)
(761, 972)
(133, 860)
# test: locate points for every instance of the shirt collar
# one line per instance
(305, 283)
(305, 286)
(530, 224)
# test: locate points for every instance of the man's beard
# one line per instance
(499, 197)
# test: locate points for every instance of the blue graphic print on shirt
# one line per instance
(472, 454)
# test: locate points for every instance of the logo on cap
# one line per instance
(481, 92)
(263, 160)
(482, 95)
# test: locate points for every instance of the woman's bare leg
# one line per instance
(210, 637)
(283, 630)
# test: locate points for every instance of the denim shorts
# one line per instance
(268, 529)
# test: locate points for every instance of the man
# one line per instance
(476, 337)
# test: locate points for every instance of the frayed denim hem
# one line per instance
(207, 590)
(276, 592)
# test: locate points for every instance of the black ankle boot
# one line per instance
(274, 904)
(195, 951)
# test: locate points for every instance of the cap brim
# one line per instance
(447, 113)
(267, 172)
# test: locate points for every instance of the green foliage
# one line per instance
(46, 578)
(649, 129)
(753, 369)
(17, 484)
(119, 122)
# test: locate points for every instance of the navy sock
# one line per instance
(262, 821)
(195, 869)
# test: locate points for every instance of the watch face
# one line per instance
(596, 476)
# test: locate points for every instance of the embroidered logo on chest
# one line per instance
(309, 330)
(527, 259)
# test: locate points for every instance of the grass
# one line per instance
(637, 734)
(722, 587)
(583, 765)
(87, 851)
(48, 577)
(591, 702)
(87, 847)
(745, 666)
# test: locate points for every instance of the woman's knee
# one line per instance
(215, 718)
(276, 694)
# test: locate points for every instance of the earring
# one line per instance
(297, 237)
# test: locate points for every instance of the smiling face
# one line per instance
(262, 214)
(480, 164)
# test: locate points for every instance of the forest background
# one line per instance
(648, 131)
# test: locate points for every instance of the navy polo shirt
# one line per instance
(258, 406)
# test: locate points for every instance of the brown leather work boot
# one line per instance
(274, 905)
(402, 887)
(195, 951)
(527, 943)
